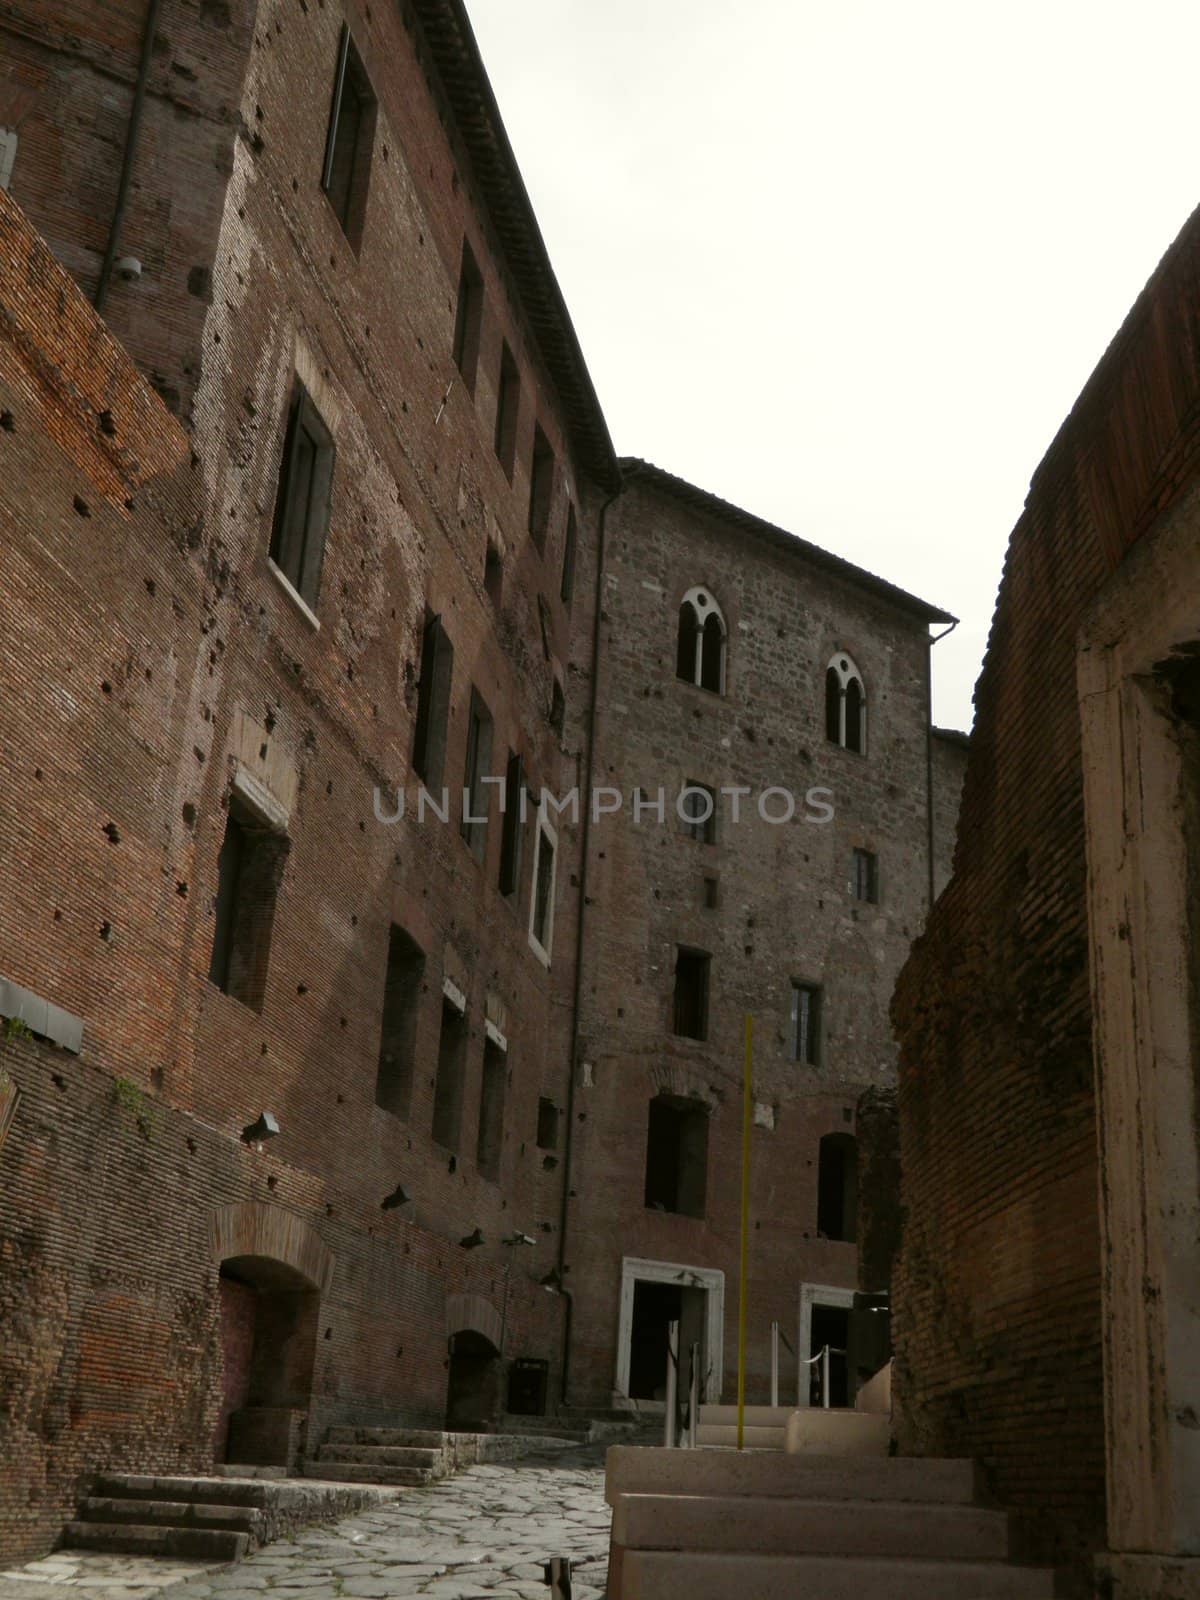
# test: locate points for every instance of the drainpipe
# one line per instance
(577, 996)
(131, 142)
(932, 640)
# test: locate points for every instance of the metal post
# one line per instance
(825, 1377)
(672, 1384)
(774, 1364)
(694, 1396)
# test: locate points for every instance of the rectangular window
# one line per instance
(806, 1024)
(479, 762)
(513, 836)
(541, 907)
(451, 1074)
(508, 406)
(699, 812)
(302, 497)
(711, 894)
(567, 589)
(348, 144)
(468, 319)
(249, 870)
(866, 876)
(489, 1145)
(493, 574)
(397, 1042)
(433, 703)
(541, 486)
(547, 1124)
(690, 1019)
(677, 1156)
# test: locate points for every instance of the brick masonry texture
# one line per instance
(153, 659)
(786, 910)
(998, 1320)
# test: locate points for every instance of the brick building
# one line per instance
(1046, 1307)
(733, 656)
(304, 512)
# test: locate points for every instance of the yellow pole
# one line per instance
(747, 1122)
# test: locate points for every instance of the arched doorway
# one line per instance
(473, 1387)
(272, 1273)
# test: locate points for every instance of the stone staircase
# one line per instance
(724, 1525)
(411, 1457)
(216, 1519)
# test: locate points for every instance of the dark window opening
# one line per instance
(543, 891)
(547, 1124)
(468, 318)
(711, 894)
(699, 806)
(837, 1187)
(433, 703)
(475, 794)
(558, 707)
(567, 588)
(712, 652)
(512, 838)
(691, 994)
(677, 1155)
(854, 717)
(493, 574)
(249, 870)
(806, 1024)
(508, 405)
(655, 1307)
(451, 1076)
(689, 638)
(302, 498)
(489, 1143)
(866, 876)
(397, 1043)
(348, 145)
(541, 486)
(833, 707)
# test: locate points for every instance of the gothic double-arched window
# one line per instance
(845, 705)
(700, 658)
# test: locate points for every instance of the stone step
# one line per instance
(231, 1469)
(399, 1438)
(726, 1434)
(131, 1538)
(773, 1526)
(205, 1491)
(359, 1472)
(382, 1455)
(812, 1431)
(755, 1416)
(172, 1514)
(671, 1575)
(647, 1469)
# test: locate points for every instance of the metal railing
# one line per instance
(822, 1356)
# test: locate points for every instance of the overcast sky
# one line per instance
(849, 264)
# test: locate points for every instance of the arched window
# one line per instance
(700, 658)
(845, 705)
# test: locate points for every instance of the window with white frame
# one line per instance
(541, 899)
(700, 654)
(845, 705)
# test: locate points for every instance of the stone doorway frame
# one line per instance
(814, 1294)
(635, 1269)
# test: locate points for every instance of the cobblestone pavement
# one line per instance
(481, 1535)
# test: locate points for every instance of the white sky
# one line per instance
(848, 264)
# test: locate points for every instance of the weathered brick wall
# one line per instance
(949, 752)
(786, 910)
(998, 1292)
(69, 88)
(147, 649)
